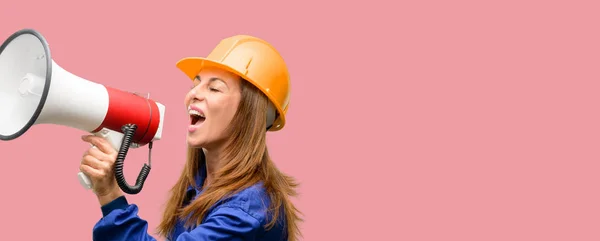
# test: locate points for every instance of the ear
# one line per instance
(271, 114)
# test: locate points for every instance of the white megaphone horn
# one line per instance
(35, 90)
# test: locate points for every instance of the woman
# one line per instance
(229, 188)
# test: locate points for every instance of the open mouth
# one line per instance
(196, 117)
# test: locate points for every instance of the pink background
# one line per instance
(427, 120)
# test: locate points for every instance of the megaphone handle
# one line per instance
(121, 142)
(115, 139)
(84, 180)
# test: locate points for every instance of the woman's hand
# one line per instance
(98, 164)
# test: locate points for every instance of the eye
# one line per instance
(213, 89)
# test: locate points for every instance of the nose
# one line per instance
(196, 94)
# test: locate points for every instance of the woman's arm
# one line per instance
(120, 222)
(229, 223)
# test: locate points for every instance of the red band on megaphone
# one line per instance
(128, 108)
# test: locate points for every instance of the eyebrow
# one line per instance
(212, 79)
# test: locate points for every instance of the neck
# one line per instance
(213, 159)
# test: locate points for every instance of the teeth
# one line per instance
(195, 112)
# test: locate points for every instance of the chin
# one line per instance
(195, 143)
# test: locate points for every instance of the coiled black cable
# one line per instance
(129, 131)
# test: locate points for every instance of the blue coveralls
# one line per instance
(240, 217)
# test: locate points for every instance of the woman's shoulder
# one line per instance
(253, 200)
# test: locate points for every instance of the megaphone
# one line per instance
(35, 90)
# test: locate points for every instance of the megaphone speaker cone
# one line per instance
(25, 76)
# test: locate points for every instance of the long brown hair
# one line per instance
(248, 162)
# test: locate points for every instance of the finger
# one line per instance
(91, 172)
(99, 142)
(94, 163)
(101, 156)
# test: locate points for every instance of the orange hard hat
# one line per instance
(256, 61)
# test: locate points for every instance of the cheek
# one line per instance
(225, 111)
(230, 110)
